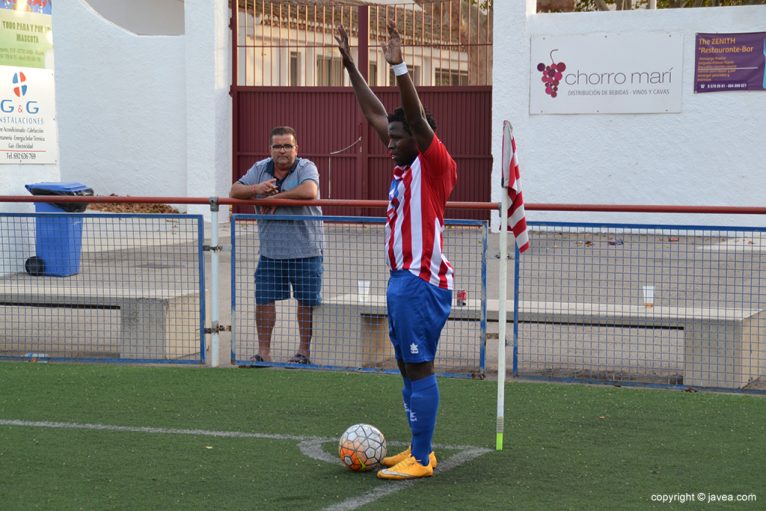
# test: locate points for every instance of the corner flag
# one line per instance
(517, 221)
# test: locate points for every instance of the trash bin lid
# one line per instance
(57, 188)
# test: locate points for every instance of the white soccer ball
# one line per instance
(362, 447)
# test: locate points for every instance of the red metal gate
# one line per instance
(277, 84)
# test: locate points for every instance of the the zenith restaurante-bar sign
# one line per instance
(730, 62)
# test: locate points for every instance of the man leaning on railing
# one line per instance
(290, 252)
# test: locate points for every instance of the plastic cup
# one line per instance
(648, 296)
(363, 287)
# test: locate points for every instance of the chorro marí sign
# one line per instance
(606, 73)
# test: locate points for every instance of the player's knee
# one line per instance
(419, 371)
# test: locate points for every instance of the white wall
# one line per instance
(145, 115)
(146, 17)
(208, 104)
(711, 154)
(121, 102)
(137, 115)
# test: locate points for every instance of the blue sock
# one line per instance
(424, 404)
(406, 396)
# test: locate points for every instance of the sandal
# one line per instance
(256, 362)
(299, 358)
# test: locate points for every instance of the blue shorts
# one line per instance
(273, 279)
(417, 312)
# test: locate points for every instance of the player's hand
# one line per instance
(345, 49)
(392, 49)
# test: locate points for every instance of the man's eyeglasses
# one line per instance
(279, 147)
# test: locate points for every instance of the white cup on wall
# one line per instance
(363, 290)
(648, 292)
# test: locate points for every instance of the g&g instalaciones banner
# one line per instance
(606, 73)
(28, 130)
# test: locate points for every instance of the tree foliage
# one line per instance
(484, 5)
(604, 5)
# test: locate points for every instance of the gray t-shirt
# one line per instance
(288, 239)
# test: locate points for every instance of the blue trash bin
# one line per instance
(58, 241)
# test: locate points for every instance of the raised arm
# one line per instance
(371, 106)
(413, 108)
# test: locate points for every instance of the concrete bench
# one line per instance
(153, 324)
(351, 333)
(722, 347)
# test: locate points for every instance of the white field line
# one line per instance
(164, 431)
(196, 432)
(308, 445)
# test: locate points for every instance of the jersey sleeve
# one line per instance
(439, 164)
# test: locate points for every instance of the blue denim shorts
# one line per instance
(415, 329)
(274, 277)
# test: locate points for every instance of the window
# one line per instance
(295, 68)
(372, 77)
(451, 77)
(329, 71)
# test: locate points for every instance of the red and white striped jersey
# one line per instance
(415, 215)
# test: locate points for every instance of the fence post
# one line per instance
(214, 249)
(501, 318)
(516, 277)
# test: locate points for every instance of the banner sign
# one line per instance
(25, 39)
(28, 129)
(730, 62)
(606, 73)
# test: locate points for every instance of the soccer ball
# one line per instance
(361, 447)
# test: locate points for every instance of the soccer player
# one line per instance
(423, 178)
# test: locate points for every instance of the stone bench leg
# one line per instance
(345, 337)
(377, 350)
(724, 353)
(159, 328)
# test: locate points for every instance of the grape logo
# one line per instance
(20, 86)
(552, 74)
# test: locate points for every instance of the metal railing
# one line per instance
(102, 287)
(350, 328)
(289, 43)
(665, 304)
(649, 304)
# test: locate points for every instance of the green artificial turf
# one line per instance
(566, 446)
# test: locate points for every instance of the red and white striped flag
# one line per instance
(517, 221)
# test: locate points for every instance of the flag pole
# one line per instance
(503, 290)
(501, 320)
